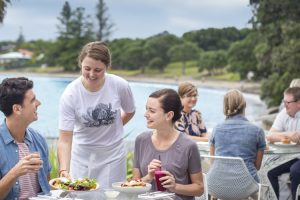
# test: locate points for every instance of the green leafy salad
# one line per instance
(80, 184)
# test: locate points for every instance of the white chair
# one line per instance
(228, 178)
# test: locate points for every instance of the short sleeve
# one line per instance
(136, 159)
(278, 123)
(126, 96)
(194, 159)
(66, 113)
(261, 140)
(212, 137)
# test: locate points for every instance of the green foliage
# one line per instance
(241, 57)
(20, 40)
(174, 69)
(75, 30)
(227, 77)
(104, 25)
(278, 23)
(275, 84)
(158, 46)
(183, 52)
(3, 5)
(215, 39)
(129, 164)
(157, 63)
(64, 28)
(212, 60)
(124, 72)
(54, 163)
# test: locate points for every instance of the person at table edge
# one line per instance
(287, 125)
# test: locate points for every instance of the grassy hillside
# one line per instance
(172, 70)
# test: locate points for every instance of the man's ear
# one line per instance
(16, 108)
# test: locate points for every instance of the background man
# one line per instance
(287, 125)
(24, 164)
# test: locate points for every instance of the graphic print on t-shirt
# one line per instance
(101, 115)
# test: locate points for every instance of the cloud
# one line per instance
(132, 18)
(184, 23)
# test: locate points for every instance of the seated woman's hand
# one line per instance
(153, 165)
(168, 181)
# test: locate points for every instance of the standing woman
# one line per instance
(191, 121)
(166, 149)
(236, 136)
(93, 110)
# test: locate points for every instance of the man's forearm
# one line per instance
(7, 182)
(276, 136)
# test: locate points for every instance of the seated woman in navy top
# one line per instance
(236, 136)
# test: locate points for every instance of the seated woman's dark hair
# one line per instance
(170, 101)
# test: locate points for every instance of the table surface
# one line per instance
(97, 195)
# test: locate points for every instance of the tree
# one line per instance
(212, 60)
(133, 56)
(183, 52)
(278, 23)
(64, 27)
(157, 63)
(3, 5)
(241, 56)
(158, 46)
(20, 39)
(215, 39)
(75, 30)
(105, 26)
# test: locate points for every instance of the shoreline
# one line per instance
(246, 87)
(243, 86)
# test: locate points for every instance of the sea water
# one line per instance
(210, 102)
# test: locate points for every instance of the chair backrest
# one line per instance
(228, 177)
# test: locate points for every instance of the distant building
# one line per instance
(15, 59)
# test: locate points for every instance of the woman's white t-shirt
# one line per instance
(95, 117)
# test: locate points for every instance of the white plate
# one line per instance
(156, 195)
(285, 145)
(132, 190)
(202, 143)
(271, 149)
(73, 191)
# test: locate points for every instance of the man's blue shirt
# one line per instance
(9, 157)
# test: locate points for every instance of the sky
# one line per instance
(132, 18)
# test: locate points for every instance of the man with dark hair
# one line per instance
(286, 127)
(24, 164)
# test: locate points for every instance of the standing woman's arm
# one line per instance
(64, 152)
(126, 117)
